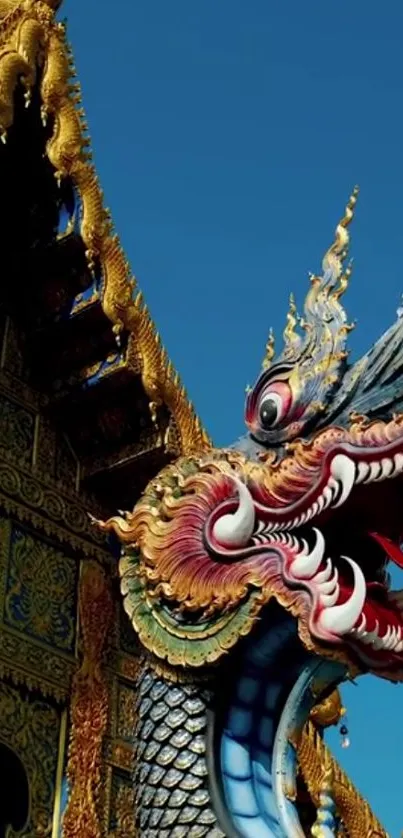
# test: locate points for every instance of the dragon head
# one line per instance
(305, 511)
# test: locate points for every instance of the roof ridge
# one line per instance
(31, 27)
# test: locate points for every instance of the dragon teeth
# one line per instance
(324, 575)
(388, 467)
(329, 590)
(380, 470)
(340, 619)
(343, 471)
(306, 564)
(348, 617)
(390, 641)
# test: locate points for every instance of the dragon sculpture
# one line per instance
(256, 579)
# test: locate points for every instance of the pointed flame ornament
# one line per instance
(313, 360)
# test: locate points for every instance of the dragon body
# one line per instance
(256, 579)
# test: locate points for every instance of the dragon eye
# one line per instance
(274, 405)
(269, 411)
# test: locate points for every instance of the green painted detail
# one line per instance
(183, 644)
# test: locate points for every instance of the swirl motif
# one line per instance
(40, 591)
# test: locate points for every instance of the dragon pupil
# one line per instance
(268, 413)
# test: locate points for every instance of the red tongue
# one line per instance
(391, 549)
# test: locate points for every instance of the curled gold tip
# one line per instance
(339, 247)
(269, 354)
(289, 334)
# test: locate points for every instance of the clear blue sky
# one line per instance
(227, 136)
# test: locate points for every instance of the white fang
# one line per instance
(235, 529)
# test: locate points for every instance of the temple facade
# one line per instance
(90, 410)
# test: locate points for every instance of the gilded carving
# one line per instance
(33, 665)
(121, 755)
(28, 659)
(17, 428)
(126, 713)
(61, 510)
(31, 726)
(89, 707)
(122, 807)
(128, 667)
(355, 812)
(40, 591)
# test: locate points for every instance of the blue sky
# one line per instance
(227, 136)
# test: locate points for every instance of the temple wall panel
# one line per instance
(46, 540)
(34, 728)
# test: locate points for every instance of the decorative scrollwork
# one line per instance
(89, 707)
(123, 807)
(17, 428)
(40, 591)
(66, 518)
(354, 811)
(31, 660)
(32, 727)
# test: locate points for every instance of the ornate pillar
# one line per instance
(89, 706)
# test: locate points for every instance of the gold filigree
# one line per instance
(17, 429)
(31, 726)
(128, 667)
(26, 660)
(40, 590)
(89, 707)
(123, 808)
(126, 713)
(32, 500)
(121, 755)
(352, 808)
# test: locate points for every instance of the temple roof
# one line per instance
(89, 340)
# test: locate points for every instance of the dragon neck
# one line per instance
(268, 702)
(218, 759)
